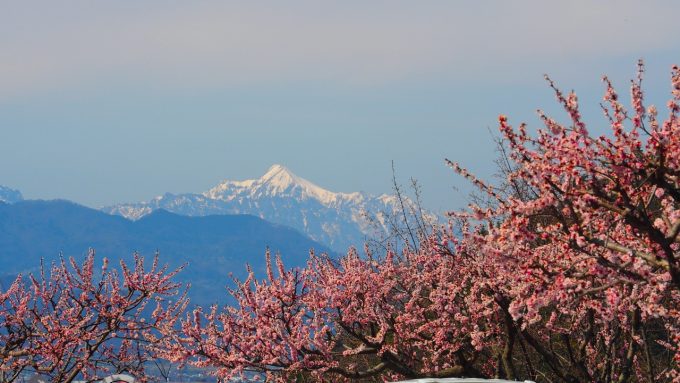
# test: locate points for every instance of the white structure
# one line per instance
(118, 378)
(460, 380)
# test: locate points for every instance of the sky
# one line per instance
(104, 102)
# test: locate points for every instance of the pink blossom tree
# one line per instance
(572, 277)
(73, 321)
(413, 315)
(594, 240)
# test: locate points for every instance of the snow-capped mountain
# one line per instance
(9, 195)
(339, 220)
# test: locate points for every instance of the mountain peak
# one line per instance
(335, 218)
(276, 169)
(280, 179)
(279, 175)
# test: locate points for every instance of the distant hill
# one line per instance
(339, 220)
(10, 195)
(213, 246)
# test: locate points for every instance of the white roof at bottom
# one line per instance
(460, 380)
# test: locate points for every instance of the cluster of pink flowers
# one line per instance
(595, 239)
(71, 322)
(419, 313)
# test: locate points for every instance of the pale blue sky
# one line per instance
(104, 102)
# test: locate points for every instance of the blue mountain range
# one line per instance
(211, 246)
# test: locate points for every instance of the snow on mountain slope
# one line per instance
(9, 195)
(339, 220)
